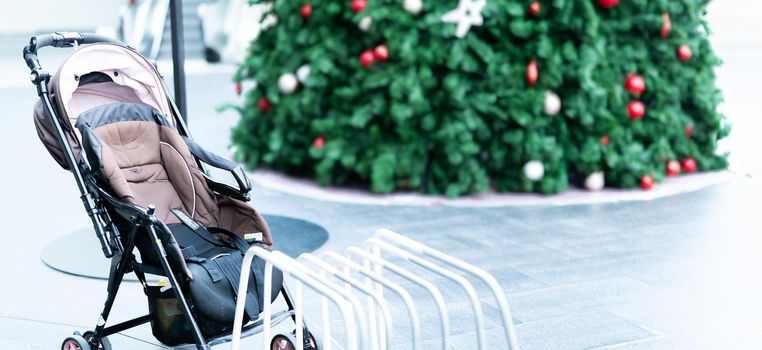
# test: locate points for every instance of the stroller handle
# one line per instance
(39, 77)
(58, 39)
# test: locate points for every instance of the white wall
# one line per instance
(29, 16)
(737, 39)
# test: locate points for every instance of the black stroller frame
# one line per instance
(114, 244)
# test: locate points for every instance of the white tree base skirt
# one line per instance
(308, 188)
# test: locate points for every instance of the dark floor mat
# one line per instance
(79, 253)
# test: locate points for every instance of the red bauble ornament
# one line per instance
(689, 165)
(608, 4)
(381, 52)
(306, 11)
(238, 88)
(532, 73)
(264, 104)
(636, 110)
(684, 53)
(647, 182)
(666, 26)
(359, 5)
(689, 131)
(367, 58)
(534, 8)
(604, 140)
(319, 142)
(635, 84)
(673, 168)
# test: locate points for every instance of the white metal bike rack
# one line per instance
(338, 278)
(289, 267)
(407, 299)
(497, 291)
(374, 296)
(430, 287)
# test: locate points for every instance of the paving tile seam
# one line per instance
(608, 255)
(632, 342)
(24, 319)
(575, 309)
(575, 313)
(142, 340)
(552, 288)
(28, 345)
(549, 281)
(74, 327)
(640, 324)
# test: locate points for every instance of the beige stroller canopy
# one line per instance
(134, 79)
(131, 78)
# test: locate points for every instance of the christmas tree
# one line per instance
(459, 96)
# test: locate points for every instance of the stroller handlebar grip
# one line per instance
(41, 41)
(92, 38)
(68, 39)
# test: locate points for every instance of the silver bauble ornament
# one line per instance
(365, 23)
(595, 181)
(552, 104)
(413, 7)
(534, 170)
(287, 83)
(303, 73)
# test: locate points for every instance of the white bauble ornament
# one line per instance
(552, 103)
(534, 170)
(365, 23)
(413, 6)
(287, 83)
(595, 181)
(303, 73)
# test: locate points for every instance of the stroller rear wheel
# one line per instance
(287, 341)
(105, 344)
(75, 342)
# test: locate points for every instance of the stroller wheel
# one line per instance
(104, 345)
(282, 342)
(287, 341)
(75, 342)
(315, 343)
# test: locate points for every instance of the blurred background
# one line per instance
(215, 30)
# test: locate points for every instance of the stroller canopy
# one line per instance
(95, 75)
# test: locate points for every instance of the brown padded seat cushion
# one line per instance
(137, 172)
(145, 161)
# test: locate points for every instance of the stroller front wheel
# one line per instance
(105, 344)
(75, 342)
(287, 341)
(281, 342)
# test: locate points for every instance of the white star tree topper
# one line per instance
(467, 14)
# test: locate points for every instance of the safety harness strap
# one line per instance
(232, 272)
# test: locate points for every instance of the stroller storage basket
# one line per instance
(168, 323)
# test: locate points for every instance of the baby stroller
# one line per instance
(106, 116)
